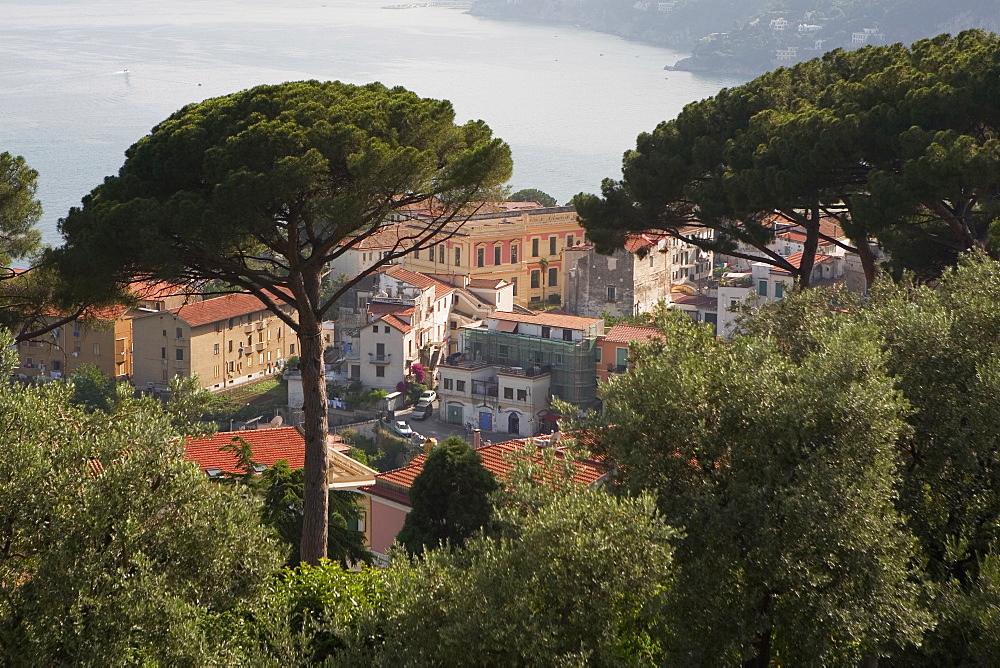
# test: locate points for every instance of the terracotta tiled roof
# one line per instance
(219, 308)
(385, 238)
(796, 259)
(636, 242)
(418, 280)
(379, 308)
(498, 458)
(549, 320)
(269, 447)
(391, 319)
(701, 301)
(487, 283)
(622, 333)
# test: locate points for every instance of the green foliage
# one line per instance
(283, 491)
(414, 391)
(533, 195)
(898, 144)
(19, 209)
(578, 578)
(93, 390)
(449, 498)
(781, 471)
(187, 405)
(114, 549)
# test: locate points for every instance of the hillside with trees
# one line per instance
(739, 37)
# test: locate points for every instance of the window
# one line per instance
(230, 345)
(762, 288)
(179, 354)
(163, 353)
(534, 248)
(522, 395)
(441, 253)
(216, 370)
(232, 366)
(567, 335)
(552, 245)
(460, 386)
(612, 293)
(458, 256)
(375, 329)
(291, 348)
(56, 365)
(380, 372)
(164, 333)
(545, 332)
(180, 333)
(416, 254)
(569, 240)
(480, 257)
(535, 278)
(513, 254)
(497, 250)
(453, 324)
(448, 384)
(779, 290)
(508, 393)
(216, 350)
(597, 354)
(553, 275)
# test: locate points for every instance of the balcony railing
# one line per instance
(380, 359)
(617, 368)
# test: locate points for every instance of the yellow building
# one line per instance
(521, 246)
(226, 341)
(102, 337)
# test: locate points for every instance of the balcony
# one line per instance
(617, 368)
(380, 359)
(248, 328)
(260, 346)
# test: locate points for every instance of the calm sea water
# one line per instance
(81, 81)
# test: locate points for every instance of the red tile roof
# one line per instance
(700, 301)
(418, 280)
(487, 283)
(391, 319)
(498, 458)
(269, 446)
(547, 319)
(622, 333)
(219, 308)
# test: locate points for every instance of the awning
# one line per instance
(506, 325)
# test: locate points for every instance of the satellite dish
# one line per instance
(277, 421)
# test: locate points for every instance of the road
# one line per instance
(434, 428)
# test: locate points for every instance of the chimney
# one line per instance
(477, 439)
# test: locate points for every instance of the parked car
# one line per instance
(428, 396)
(422, 411)
(402, 429)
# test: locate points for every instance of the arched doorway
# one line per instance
(514, 424)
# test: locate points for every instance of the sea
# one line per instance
(82, 81)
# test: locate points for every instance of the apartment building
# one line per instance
(511, 366)
(524, 247)
(612, 352)
(102, 337)
(226, 341)
(648, 270)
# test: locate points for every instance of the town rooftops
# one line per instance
(418, 280)
(270, 446)
(219, 308)
(393, 320)
(546, 319)
(622, 333)
(499, 459)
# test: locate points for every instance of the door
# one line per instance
(486, 421)
(455, 414)
(514, 424)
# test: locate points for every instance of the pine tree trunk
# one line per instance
(315, 509)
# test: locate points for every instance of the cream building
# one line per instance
(226, 341)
